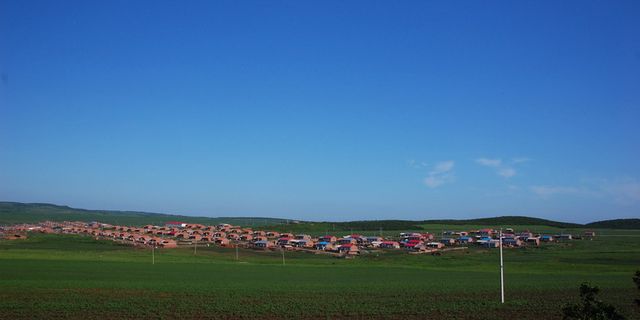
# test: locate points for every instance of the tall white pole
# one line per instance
(195, 247)
(283, 256)
(501, 269)
(153, 255)
(236, 250)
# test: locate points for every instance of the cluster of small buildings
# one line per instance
(174, 233)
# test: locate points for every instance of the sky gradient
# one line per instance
(323, 110)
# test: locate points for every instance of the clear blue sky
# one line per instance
(331, 110)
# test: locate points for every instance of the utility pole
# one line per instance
(195, 246)
(283, 256)
(236, 250)
(153, 255)
(501, 269)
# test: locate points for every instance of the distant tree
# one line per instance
(589, 307)
(636, 279)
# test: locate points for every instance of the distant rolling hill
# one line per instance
(375, 225)
(506, 220)
(15, 212)
(615, 224)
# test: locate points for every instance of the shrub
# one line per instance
(589, 307)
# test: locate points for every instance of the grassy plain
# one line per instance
(55, 276)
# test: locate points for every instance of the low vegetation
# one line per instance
(590, 307)
(71, 276)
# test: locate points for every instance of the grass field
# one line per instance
(55, 276)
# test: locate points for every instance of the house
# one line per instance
(323, 245)
(511, 242)
(448, 241)
(283, 242)
(142, 240)
(411, 244)
(374, 244)
(152, 242)
(533, 241)
(491, 243)
(525, 235)
(359, 239)
(546, 238)
(303, 237)
(195, 237)
(350, 249)
(301, 243)
(389, 245)
(273, 234)
(373, 239)
(589, 234)
(564, 236)
(343, 241)
(246, 237)
(221, 242)
(182, 235)
(167, 243)
(483, 240)
(263, 244)
(435, 245)
(465, 240)
(330, 239)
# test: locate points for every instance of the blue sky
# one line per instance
(323, 110)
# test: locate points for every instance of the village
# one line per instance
(176, 234)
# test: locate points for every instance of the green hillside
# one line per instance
(507, 220)
(14, 212)
(615, 224)
(385, 225)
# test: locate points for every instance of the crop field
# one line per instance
(68, 276)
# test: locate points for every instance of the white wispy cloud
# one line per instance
(494, 163)
(441, 173)
(520, 160)
(502, 169)
(623, 192)
(417, 165)
(507, 172)
(548, 191)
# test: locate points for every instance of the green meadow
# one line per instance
(67, 276)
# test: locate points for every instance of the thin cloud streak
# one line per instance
(501, 169)
(441, 173)
(624, 192)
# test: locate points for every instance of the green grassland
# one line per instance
(66, 276)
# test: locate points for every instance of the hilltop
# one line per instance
(16, 212)
(616, 224)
